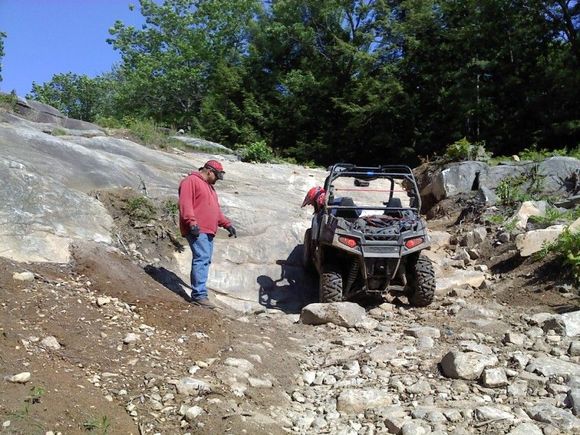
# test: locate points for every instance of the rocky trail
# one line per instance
(88, 347)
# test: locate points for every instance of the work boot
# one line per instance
(204, 303)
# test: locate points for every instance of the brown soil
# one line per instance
(61, 302)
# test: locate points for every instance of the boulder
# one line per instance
(466, 365)
(533, 241)
(346, 314)
(527, 209)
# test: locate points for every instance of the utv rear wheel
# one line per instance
(421, 281)
(330, 285)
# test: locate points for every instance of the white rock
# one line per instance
(484, 413)
(309, 377)
(572, 322)
(239, 363)
(192, 387)
(345, 314)
(533, 241)
(526, 429)
(466, 365)
(193, 412)
(50, 342)
(23, 276)
(131, 338)
(527, 209)
(260, 383)
(494, 378)
(20, 378)
(423, 331)
(103, 300)
(357, 401)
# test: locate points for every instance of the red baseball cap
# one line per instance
(216, 167)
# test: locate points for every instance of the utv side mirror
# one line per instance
(361, 183)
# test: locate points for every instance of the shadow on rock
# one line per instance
(169, 280)
(290, 291)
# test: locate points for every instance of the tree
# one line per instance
(169, 65)
(2, 36)
(77, 96)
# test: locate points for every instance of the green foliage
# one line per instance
(59, 132)
(524, 187)
(77, 96)
(36, 394)
(170, 208)
(8, 101)
(554, 215)
(567, 250)
(100, 425)
(257, 152)
(509, 190)
(495, 219)
(537, 155)
(141, 208)
(108, 122)
(146, 131)
(462, 150)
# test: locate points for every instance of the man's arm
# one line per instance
(186, 195)
(223, 221)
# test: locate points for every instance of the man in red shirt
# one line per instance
(199, 218)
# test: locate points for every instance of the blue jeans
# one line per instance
(201, 250)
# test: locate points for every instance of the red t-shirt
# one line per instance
(198, 205)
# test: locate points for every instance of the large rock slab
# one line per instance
(465, 177)
(45, 204)
(41, 217)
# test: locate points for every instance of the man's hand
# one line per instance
(194, 231)
(232, 231)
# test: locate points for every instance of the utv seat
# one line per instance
(394, 203)
(345, 213)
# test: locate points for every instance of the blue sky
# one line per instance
(47, 37)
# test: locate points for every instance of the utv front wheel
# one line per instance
(307, 262)
(421, 281)
(330, 284)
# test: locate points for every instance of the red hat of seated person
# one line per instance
(216, 167)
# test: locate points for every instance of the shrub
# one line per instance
(59, 132)
(257, 152)
(554, 215)
(524, 187)
(108, 122)
(141, 208)
(8, 101)
(567, 250)
(462, 150)
(537, 155)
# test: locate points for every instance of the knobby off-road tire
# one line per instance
(330, 284)
(421, 281)
(307, 262)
